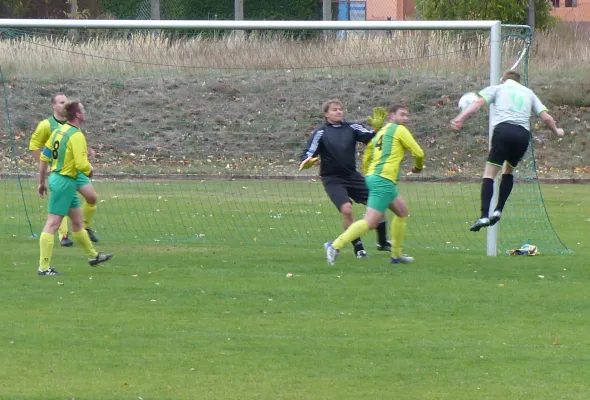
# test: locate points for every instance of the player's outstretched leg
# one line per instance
(94, 257)
(356, 230)
(331, 253)
(100, 258)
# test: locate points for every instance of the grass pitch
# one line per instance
(202, 320)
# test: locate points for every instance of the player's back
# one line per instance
(513, 103)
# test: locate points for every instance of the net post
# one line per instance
(495, 74)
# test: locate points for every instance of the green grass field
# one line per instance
(205, 319)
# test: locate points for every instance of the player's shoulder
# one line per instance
(400, 131)
(44, 122)
(319, 128)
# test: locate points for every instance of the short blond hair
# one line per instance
(327, 104)
(54, 97)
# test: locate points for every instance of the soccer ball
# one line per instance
(467, 99)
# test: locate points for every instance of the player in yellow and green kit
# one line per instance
(66, 153)
(381, 165)
(41, 136)
(84, 185)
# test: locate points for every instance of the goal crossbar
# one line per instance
(238, 25)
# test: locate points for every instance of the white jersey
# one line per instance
(513, 103)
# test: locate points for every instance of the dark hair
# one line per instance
(394, 108)
(71, 109)
(515, 76)
(327, 104)
(54, 97)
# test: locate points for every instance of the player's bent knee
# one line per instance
(346, 209)
(89, 194)
(399, 208)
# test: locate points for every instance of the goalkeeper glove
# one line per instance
(308, 163)
(378, 119)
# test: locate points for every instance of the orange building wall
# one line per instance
(379, 10)
(404, 9)
(581, 13)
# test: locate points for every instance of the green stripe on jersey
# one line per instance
(386, 147)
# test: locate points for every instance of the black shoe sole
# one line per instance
(92, 237)
(494, 221)
(94, 262)
(477, 228)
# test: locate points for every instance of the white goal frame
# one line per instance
(495, 28)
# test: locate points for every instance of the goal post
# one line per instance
(257, 98)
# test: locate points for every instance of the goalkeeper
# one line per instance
(335, 142)
(84, 185)
(382, 161)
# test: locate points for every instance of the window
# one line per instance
(555, 3)
(571, 3)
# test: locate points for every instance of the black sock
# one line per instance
(505, 189)
(487, 191)
(358, 245)
(382, 233)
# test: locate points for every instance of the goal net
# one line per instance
(199, 131)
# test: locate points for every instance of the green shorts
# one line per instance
(82, 180)
(62, 194)
(381, 192)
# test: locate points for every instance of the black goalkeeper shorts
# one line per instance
(342, 190)
(509, 143)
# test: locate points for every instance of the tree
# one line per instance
(507, 11)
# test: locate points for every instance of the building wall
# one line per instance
(581, 13)
(379, 10)
(405, 9)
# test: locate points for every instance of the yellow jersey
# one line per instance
(43, 131)
(385, 152)
(66, 152)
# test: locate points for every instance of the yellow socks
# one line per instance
(88, 210)
(354, 231)
(46, 247)
(81, 237)
(398, 231)
(63, 228)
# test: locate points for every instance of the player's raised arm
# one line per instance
(362, 134)
(408, 141)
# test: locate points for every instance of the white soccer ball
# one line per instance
(467, 99)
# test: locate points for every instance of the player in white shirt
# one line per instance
(511, 120)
